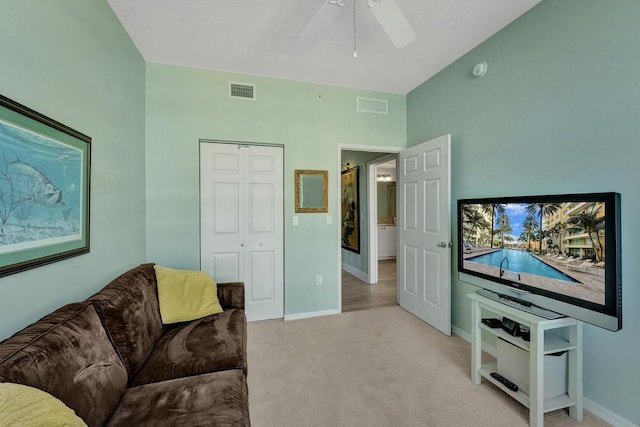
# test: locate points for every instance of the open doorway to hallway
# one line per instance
(368, 274)
(359, 295)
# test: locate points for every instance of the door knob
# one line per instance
(445, 245)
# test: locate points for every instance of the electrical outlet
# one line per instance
(319, 279)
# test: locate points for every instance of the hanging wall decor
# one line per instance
(44, 189)
(350, 210)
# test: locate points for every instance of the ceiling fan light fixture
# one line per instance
(386, 12)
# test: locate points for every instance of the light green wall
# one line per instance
(557, 112)
(73, 62)
(309, 120)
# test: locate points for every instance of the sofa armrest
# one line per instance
(231, 294)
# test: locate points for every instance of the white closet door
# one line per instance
(241, 222)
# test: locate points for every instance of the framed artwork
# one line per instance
(44, 189)
(350, 210)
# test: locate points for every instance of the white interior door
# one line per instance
(241, 222)
(424, 232)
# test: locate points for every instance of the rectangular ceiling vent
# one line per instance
(372, 105)
(242, 90)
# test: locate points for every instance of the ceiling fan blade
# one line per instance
(318, 25)
(393, 22)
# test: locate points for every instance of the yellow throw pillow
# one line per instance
(21, 405)
(186, 294)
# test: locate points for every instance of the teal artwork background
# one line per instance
(44, 189)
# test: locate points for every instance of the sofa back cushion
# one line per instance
(128, 307)
(68, 355)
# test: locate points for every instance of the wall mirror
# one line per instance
(311, 191)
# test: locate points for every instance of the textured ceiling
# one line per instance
(260, 37)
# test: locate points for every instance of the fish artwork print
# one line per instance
(40, 183)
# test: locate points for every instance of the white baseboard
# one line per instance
(605, 414)
(461, 333)
(358, 273)
(591, 406)
(298, 316)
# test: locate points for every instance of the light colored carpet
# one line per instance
(378, 367)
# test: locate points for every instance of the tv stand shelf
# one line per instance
(544, 341)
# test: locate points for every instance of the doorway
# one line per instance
(360, 295)
(424, 235)
(382, 207)
(365, 280)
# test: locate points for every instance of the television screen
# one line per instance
(558, 252)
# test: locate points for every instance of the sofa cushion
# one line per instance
(185, 295)
(213, 343)
(68, 354)
(231, 294)
(24, 405)
(217, 399)
(129, 310)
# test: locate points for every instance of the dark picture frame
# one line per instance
(45, 170)
(350, 205)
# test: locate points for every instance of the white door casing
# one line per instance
(424, 232)
(241, 222)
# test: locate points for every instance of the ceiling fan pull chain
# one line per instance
(355, 51)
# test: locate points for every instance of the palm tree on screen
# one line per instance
(474, 220)
(529, 230)
(540, 210)
(556, 231)
(494, 210)
(504, 227)
(591, 224)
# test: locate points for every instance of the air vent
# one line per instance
(242, 90)
(372, 105)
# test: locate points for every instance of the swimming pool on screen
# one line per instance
(522, 262)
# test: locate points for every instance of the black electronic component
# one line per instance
(511, 327)
(492, 323)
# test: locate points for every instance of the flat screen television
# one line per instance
(557, 252)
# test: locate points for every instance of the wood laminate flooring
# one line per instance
(358, 295)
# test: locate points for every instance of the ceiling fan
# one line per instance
(387, 13)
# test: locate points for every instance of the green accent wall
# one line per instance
(73, 61)
(557, 112)
(185, 105)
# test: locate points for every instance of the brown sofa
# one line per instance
(113, 362)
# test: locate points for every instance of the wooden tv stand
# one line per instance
(544, 340)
